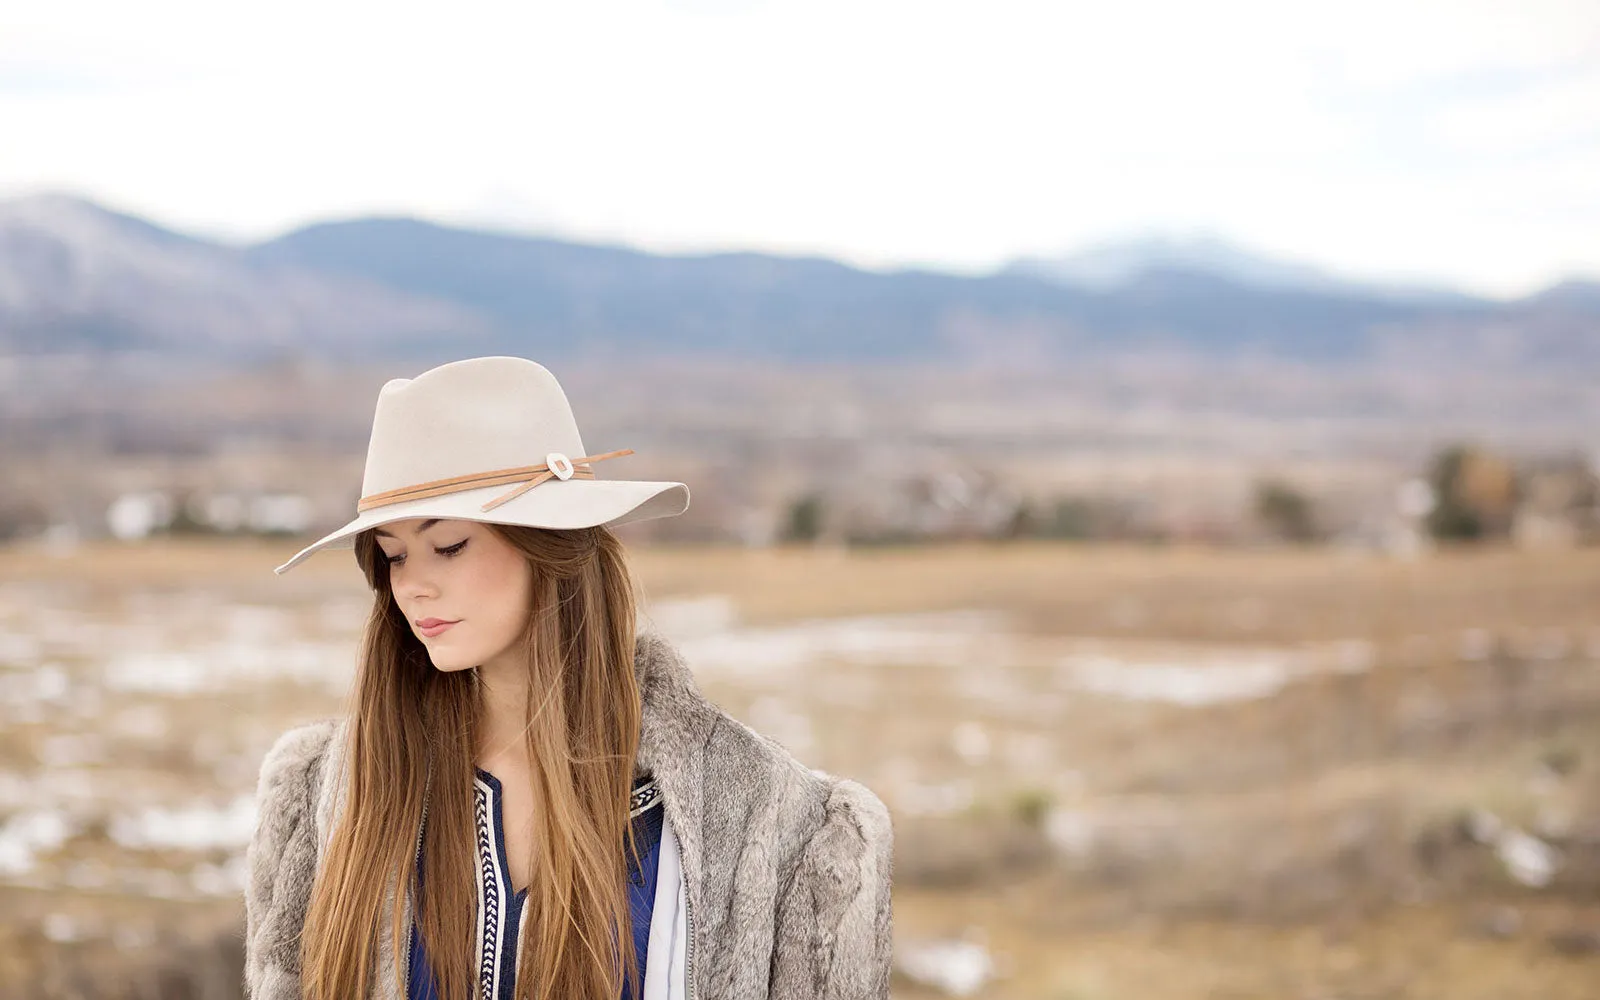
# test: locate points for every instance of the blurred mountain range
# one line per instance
(1117, 263)
(76, 277)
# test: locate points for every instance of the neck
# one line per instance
(503, 687)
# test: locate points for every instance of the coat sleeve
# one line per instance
(835, 919)
(282, 861)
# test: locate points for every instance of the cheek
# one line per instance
(500, 599)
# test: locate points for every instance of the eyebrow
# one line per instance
(424, 526)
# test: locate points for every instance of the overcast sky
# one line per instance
(1457, 140)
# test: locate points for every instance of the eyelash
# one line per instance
(453, 550)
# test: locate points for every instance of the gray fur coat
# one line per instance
(787, 869)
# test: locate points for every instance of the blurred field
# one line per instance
(1115, 773)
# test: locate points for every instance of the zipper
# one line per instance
(688, 912)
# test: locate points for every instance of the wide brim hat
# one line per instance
(494, 440)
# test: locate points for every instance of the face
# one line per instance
(463, 589)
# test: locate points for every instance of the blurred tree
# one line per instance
(1032, 807)
(1023, 522)
(1476, 494)
(804, 523)
(187, 517)
(1073, 518)
(20, 517)
(1285, 512)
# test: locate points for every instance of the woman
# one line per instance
(568, 816)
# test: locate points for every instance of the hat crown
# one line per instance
(464, 418)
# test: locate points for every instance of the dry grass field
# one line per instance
(1115, 773)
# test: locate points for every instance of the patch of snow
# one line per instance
(156, 673)
(971, 742)
(1484, 827)
(62, 928)
(220, 880)
(28, 834)
(955, 968)
(952, 639)
(1529, 860)
(22, 692)
(778, 719)
(1177, 682)
(195, 827)
(690, 617)
(1072, 831)
(224, 664)
(1199, 676)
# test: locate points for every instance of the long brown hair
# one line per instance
(583, 716)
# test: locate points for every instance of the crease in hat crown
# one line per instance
(464, 438)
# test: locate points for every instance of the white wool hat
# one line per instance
(489, 439)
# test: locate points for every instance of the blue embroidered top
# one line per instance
(500, 912)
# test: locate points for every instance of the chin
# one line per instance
(450, 663)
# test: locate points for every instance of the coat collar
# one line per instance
(676, 724)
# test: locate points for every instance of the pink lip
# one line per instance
(431, 627)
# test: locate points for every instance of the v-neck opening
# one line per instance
(497, 817)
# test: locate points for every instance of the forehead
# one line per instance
(410, 526)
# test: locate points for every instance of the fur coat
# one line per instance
(787, 869)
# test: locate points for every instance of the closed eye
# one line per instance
(447, 552)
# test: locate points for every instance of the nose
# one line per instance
(410, 585)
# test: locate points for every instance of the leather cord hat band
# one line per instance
(555, 466)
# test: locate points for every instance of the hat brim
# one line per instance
(555, 503)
